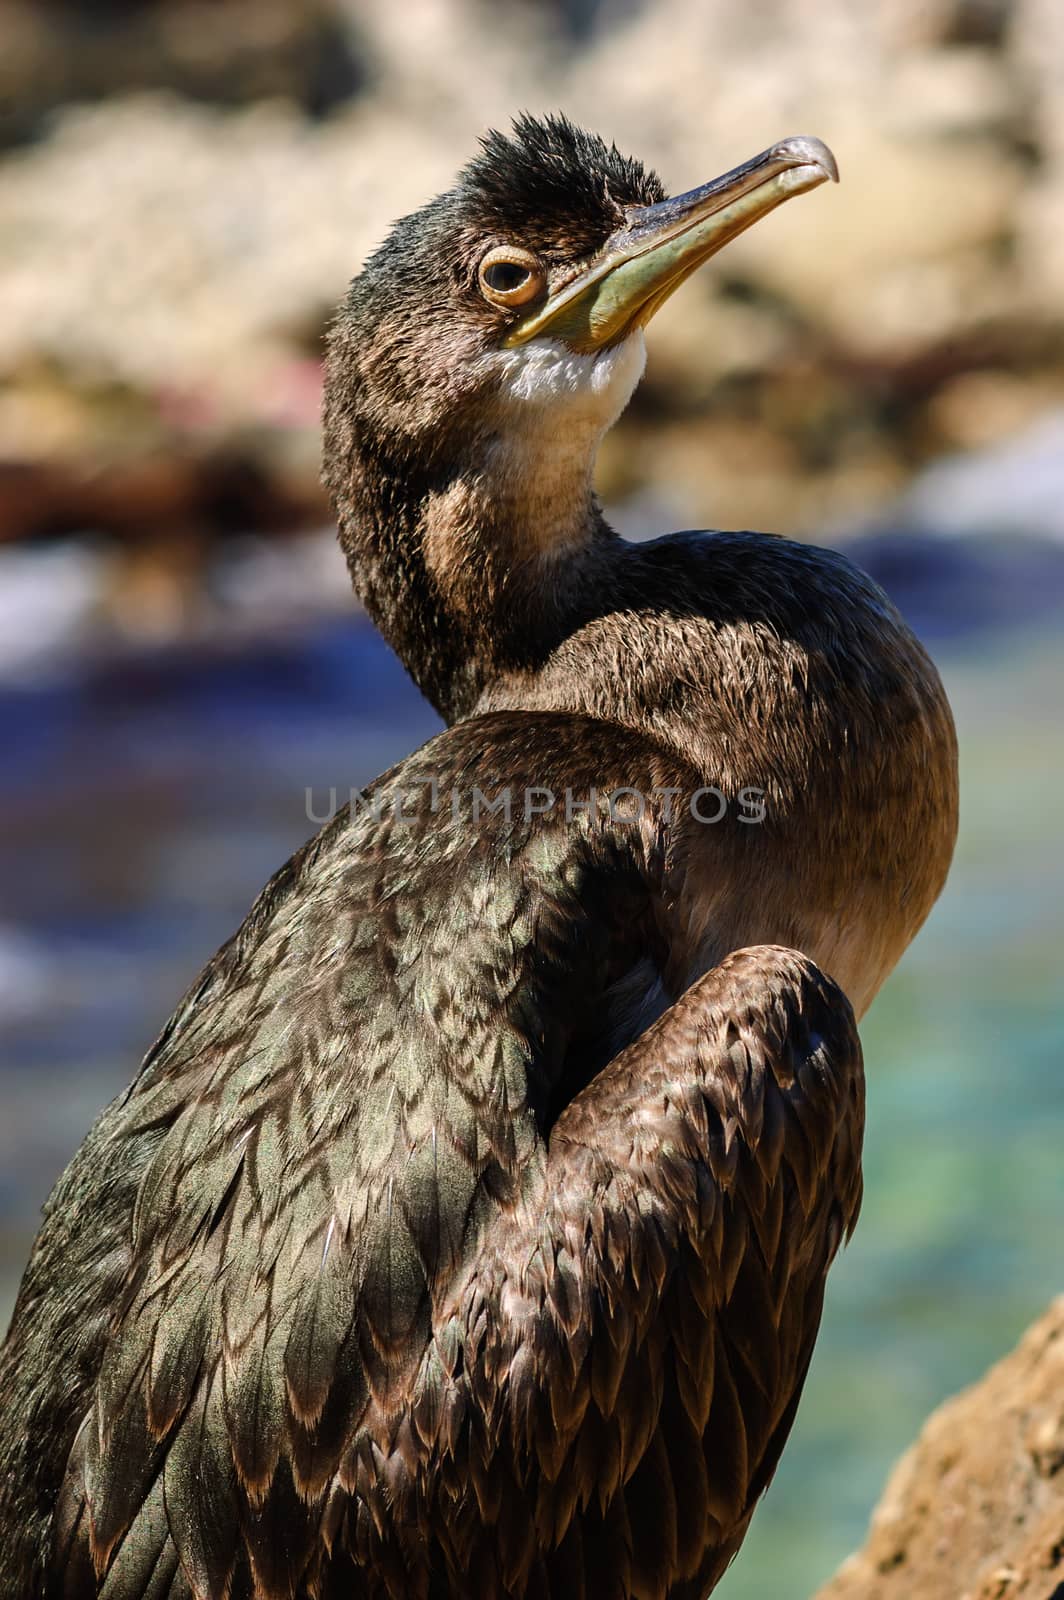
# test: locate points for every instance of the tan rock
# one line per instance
(188, 254)
(975, 1509)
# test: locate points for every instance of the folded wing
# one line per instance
(415, 1292)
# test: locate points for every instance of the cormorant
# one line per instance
(464, 1232)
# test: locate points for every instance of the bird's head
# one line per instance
(498, 332)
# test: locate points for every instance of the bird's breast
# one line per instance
(820, 811)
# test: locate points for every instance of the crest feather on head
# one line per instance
(548, 176)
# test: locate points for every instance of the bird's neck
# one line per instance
(476, 559)
(489, 583)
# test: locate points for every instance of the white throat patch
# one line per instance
(593, 389)
(530, 481)
(551, 409)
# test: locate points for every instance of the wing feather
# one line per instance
(410, 1278)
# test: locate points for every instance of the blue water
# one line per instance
(145, 801)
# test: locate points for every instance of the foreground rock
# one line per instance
(975, 1509)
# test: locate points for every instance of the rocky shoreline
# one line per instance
(975, 1509)
(182, 200)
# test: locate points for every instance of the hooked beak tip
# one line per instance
(661, 244)
(806, 151)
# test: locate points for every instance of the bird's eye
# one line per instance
(505, 276)
(510, 276)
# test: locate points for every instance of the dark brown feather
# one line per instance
(600, 1330)
(465, 1230)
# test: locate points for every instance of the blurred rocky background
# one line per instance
(187, 185)
(185, 688)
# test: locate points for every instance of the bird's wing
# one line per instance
(662, 1292)
(376, 1296)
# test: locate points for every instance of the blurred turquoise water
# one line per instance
(150, 800)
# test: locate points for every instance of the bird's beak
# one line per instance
(659, 246)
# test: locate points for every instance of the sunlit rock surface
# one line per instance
(188, 190)
(975, 1510)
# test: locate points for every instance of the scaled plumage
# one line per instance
(464, 1233)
